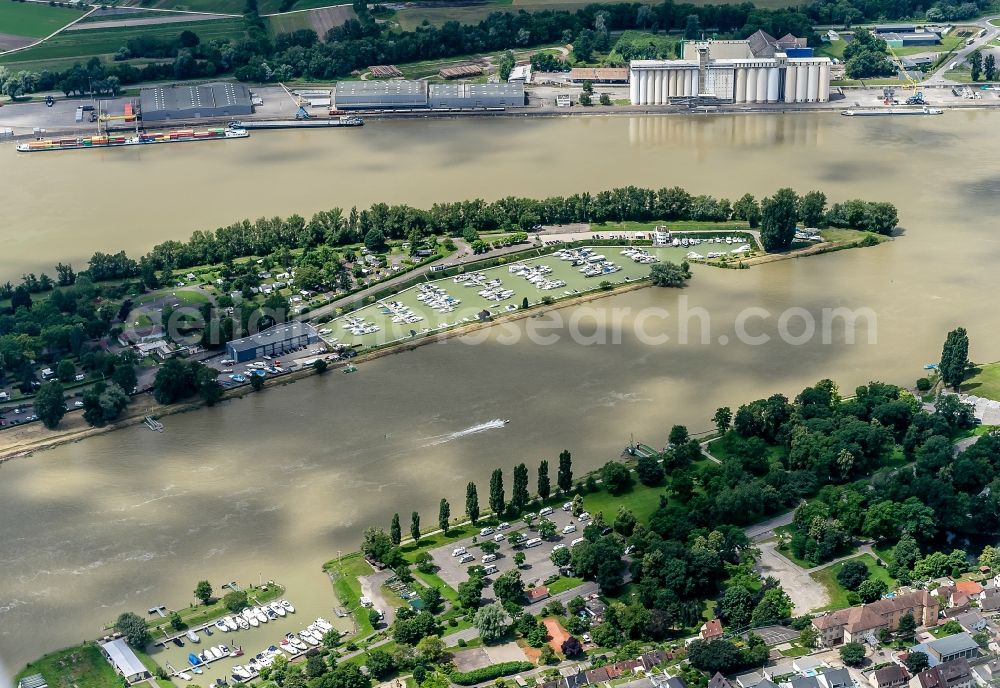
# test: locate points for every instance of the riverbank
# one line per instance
(24, 440)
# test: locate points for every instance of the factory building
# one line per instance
(273, 341)
(476, 95)
(215, 100)
(761, 69)
(398, 94)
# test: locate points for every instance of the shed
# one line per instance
(124, 661)
(537, 594)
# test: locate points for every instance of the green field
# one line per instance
(983, 381)
(34, 20)
(234, 6)
(838, 594)
(80, 667)
(85, 44)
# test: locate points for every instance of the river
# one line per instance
(274, 484)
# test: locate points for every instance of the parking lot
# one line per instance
(537, 566)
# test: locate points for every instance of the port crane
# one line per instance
(299, 101)
(916, 97)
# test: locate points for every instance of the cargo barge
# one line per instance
(891, 112)
(117, 140)
(348, 121)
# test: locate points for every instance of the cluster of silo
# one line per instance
(654, 82)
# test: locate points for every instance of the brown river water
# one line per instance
(272, 485)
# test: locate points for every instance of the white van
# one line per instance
(584, 516)
(490, 570)
(569, 529)
(533, 542)
(466, 558)
(489, 557)
(499, 537)
(458, 551)
(485, 531)
(546, 511)
(577, 542)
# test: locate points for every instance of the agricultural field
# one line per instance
(21, 22)
(234, 6)
(319, 20)
(85, 44)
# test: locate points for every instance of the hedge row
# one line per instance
(489, 673)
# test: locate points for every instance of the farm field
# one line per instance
(233, 6)
(33, 20)
(319, 20)
(85, 44)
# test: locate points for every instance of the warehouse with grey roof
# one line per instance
(273, 341)
(216, 100)
(401, 94)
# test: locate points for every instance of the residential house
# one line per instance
(779, 670)
(805, 682)
(537, 594)
(960, 645)
(711, 630)
(719, 681)
(987, 674)
(856, 623)
(767, 683)
(953, 674)
(594, 607)
(674, 682)
(835, 678)
(808, 665)
(892, 676)
(749, 680)
(124, 661)
(989, 603)
(654, 659)
(971, 621)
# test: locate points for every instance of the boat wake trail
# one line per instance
(494, 424)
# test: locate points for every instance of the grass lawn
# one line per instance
(679, 225)
(564, 584)
(80, 667)
(348, 589)
(832, 49)
(641, 500)
(287, 23)
(432, 580)
(840, 235)
(983, 381)
(838, 594)
(192, 616)
(795, 651)
(84, 44)
(34, 20)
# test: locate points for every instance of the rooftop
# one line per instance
(373, 88)
(952, 644)
(33, 681)
(122, 657)
(215, 95)
(273, 334)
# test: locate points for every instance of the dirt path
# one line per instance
(805, 593)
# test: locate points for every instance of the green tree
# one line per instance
(808, 637)
(431, 598)
(668, 274)
(375, 241)
(616, 477)
(852, 573)
(852, 654)
(561, 557)
(203, 592)
(692, 28)
(519, 492)
(723, 419)
(989, 557)
(678, 435)
(491, 621)
(605, 99)
(747, 208)
(917, 662)
(380, 663)
(395, 532)
(812, 208)
(65, 371)
(990, 67)
(773, 607)
(415, 526)
(497, 503)
(586, 100)
(134, 629)
(565, 476)
(176, 622)
(470, 592)
(256, 382)
(472, 503)
(546, 529)
(320, 365)
(587, 86)
(736, 606)
(649, 470)
(50, 404)
(544, 486)
(519, 559)
(235, 601)
(907, 626)
(976, 62)
(954, 358)
(444, 515)
(777, 223)
(509, 587)
(872, 590)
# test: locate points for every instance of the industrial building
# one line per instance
(399, 94)
(599, 75)
(217, 100)
(476, 95)
(273, 341)
(761, 69)
(905, 40)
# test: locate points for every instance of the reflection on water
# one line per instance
(273, 485)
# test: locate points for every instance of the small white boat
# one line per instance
(271, 614)
(241, 621)
(193, 637)
(215, 652)
(325, 625)
(230, 623)
(308, 638)
(259, 613)
(197, 670)
(251, 618)
(278, 609)
(224, 649)
(183, 675)
(221, 625)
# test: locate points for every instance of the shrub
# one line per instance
(489, 673)
(923, 384)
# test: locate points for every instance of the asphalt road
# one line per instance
(961, 55)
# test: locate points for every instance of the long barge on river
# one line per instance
(347, 121)
(892, 112)
(140, 139)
